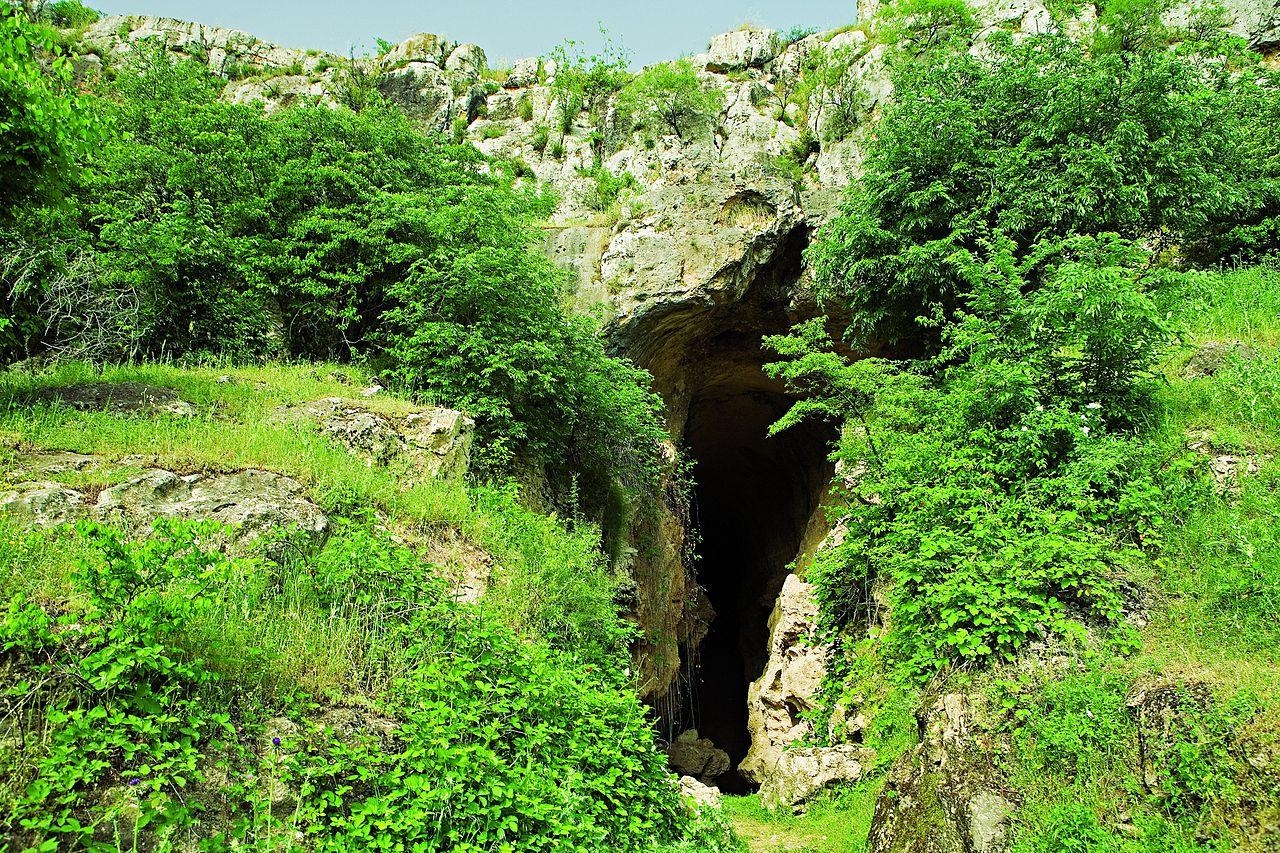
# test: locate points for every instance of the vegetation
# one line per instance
(319, 233)
(1036, 232)
(671, 96)
(44, 126)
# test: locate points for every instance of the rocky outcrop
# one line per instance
(225, 51)
(801, 774)
(700, 795)
(944, 796)
(119, 398)
(431, 441)
(778, 699)
(252, 502)
(691, 755)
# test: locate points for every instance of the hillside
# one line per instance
(856, 440)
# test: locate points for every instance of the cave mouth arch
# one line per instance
(757, 502)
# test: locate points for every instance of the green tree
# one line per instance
(1031, 141)
(671, 96)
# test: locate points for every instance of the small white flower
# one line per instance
(1094, 406)
(1039, 407)
(1024, 429)
(1084, 430)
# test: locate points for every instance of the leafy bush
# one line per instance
(130, 687)
(605, 187)
(45, 129)
(322, 233)
(1031, 143)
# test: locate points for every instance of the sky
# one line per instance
(650, 30)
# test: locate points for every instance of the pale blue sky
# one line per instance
(649, 29)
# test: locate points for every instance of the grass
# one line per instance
(548, 581)
(833, 824)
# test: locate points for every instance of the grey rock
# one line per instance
(700, 795)
(43, 504)
(745, 48)
(122, 398)
(434, 441)
(253, 501)
(788, 687)
(800, 774)
(696, 756)
(1214, 356)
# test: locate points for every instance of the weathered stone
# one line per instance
(279, 92)
(220, 48)
(420, 89)
(745, 48)
(696, 756)
(420, 48)
(122, 398)
(944, 796)
(435, 441)
(702, 796)
(800, 774)
(468, 60)
(789, 685)
(253, 501)
(43, 504)
(524, 73)
(1213, 356)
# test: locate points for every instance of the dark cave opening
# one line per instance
(756, 498)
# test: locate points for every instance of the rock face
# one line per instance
(789, 686)
(696, 756)
(944, 797)
(223, 50)
(702, 796)
(744, 48)
(252, 501)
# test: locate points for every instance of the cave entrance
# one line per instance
(757, 498)
(757, 502)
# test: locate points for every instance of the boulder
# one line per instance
(427, 48)
(120, 398)
(702, 796)
(467, 60)
(696, 756)
(524, 73)
(740, 49)
(419, 88)
(800, 774)
(1214, 356)
(944, 796)
(434, 441)
(43, 504)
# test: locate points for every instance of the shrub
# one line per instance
(131, 689)
(71, 14)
